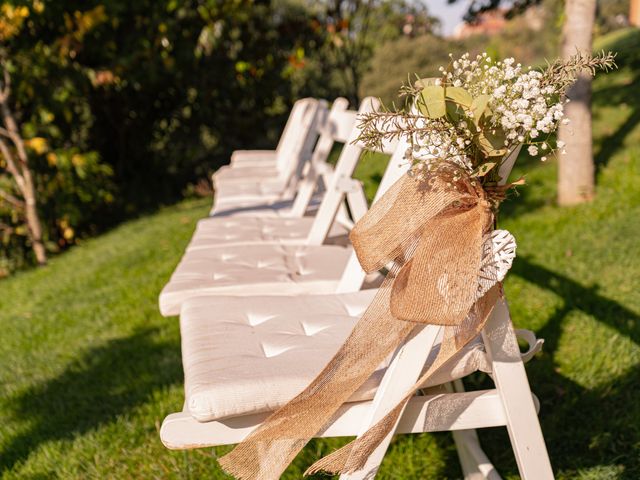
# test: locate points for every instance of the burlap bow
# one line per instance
(429, 235)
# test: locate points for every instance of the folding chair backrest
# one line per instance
(340, 182)
(292, 132)
(336, 127)
(298, 152)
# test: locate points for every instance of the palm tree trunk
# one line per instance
(576, 171)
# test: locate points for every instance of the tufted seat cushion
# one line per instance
(244, 173)
(254, 158)
(262, 190)
(259, 208)
(244, 355)
(234, 231)
(254, 270)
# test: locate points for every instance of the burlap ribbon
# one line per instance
(429, 234)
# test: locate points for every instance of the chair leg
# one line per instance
(511, 382)
(402, 372)
(474, 462)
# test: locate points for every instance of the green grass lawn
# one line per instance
(89, 368)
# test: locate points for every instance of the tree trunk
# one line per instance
(19, 169)
(33, 220)
(576, 171)
(634, 13)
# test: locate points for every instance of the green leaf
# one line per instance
(479, 105)
(458, 95)
(454, 111)
(423, 82)
(483, 169)
(433, 104)
(491, 144)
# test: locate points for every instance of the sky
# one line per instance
(449, 15)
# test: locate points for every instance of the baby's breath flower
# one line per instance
(523, 105)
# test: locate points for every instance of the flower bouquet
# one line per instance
(479, 113)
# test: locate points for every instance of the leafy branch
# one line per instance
(561, 74)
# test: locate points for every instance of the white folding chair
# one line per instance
(259, 183)
(273, 159)
(299, 198)
(244, 357)
(272, 269)
(295, 229)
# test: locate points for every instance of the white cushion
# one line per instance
(252, 208)
(259, 208)
(254, 270)
(245, 173)
(267, 190)
(253, 354)
(235, 231)
(254, 158)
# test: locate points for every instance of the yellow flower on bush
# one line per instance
(68, 233)
(11, 19)
(52, 159)
(78, 160)
(37, 144)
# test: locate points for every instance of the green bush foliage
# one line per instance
(124, 103)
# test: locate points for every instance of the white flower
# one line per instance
(560, 144)
(533, 150)
(544, 159)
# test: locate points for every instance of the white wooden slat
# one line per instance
(293, 130)
(511, 382)
(474, 409)
(303, 150)
(474, 462)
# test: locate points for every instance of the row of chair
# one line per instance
(269, 288)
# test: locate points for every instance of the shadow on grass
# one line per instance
(629, 94)
(580, 297)
(584, 428)
(104, 382)
(628, 57)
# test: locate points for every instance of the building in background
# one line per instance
(487, 23)
(634, 13)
